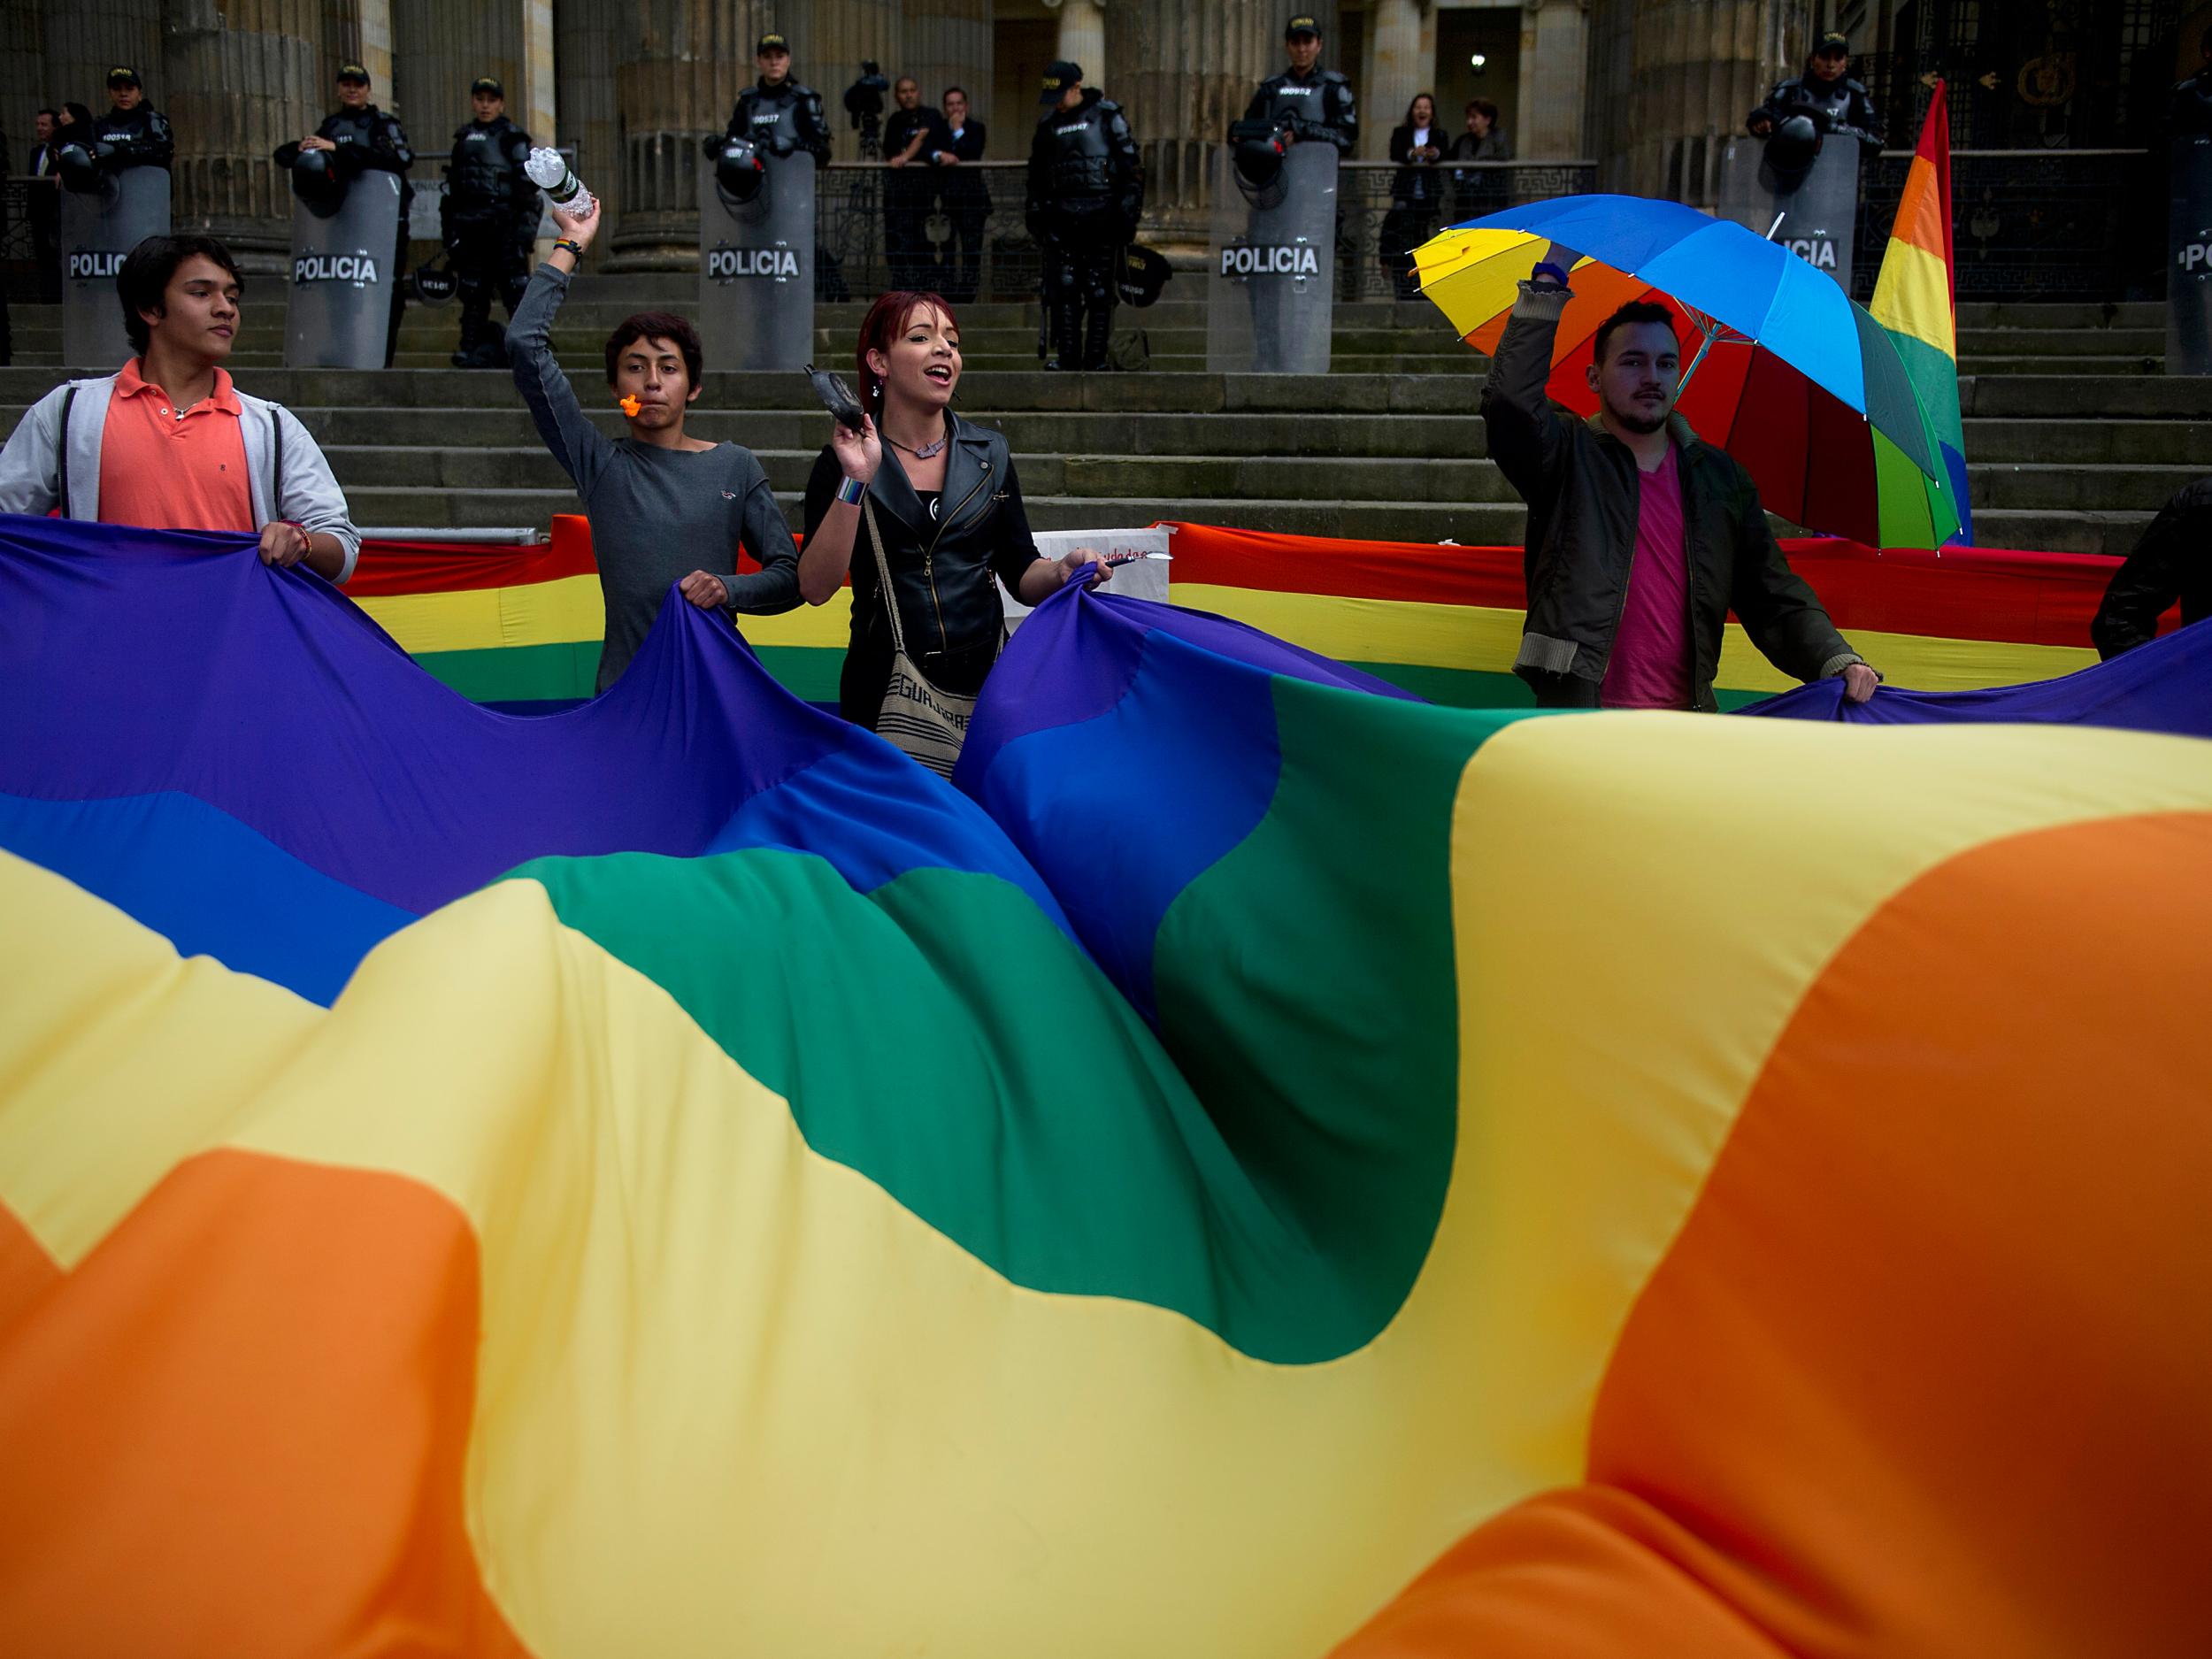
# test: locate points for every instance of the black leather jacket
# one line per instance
(940, 570)
(1836, 106)
(135, 138)
(1316, 106)
(484, 178)
(781, 119)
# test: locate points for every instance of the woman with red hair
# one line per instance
(945, 504)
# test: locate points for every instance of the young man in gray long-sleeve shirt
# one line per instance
(664, 507)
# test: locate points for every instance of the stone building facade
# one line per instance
(1641, 86)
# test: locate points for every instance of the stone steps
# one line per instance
(1114, 477)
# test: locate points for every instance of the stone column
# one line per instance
(1083, 34)
(84, 40)
(1185, 72)
(1395, 71)
(247, 75)
(679, 67)
(947, 42)
(1555, 71)
(372, 42)
(1675, 79)
(23, 75)
(830, 39)
(584, 34)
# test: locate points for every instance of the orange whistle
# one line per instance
(630, 406)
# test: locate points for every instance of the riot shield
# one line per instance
(2189, 240)
(1272, 267)
(344, 273)
(97, 230)
(1818, 209)
(757, 268)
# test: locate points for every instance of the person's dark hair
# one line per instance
(50, 110)
(77, 114)
(658, 325)
(1412, 103)
(1635, 311)
(1484, 109)
(948, 91)
(886, 321)
(144, 278)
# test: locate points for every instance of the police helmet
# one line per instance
(1142, 274)
(738, 170)
(316, 182)
(1792, 146)
(1257, 155)
(79, 168)
(432, 283)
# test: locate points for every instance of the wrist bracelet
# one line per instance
(852, 491)
(575, 248)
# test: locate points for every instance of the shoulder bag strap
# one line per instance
(276, 461)
(61, 444)
(883, 577)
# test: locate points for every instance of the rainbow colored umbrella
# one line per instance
(1790, 375)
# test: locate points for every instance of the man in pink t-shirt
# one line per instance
(1641, 537)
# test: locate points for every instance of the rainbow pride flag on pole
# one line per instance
(1916, 300)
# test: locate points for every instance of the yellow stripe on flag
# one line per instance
(561, 612)
(1913, 296)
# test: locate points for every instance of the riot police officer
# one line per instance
(489, 216)
(779, 116)
(1307, 103)
(1836, 102)
(355, 138)
(133, 133)
(1085, 195)
(2189, 112)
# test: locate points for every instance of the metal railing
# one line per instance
(2034, 224)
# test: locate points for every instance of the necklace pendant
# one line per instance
(928, 450)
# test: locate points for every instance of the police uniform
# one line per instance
(1842, 105)
(131, 138)
(490, 218)
(2189, 113)
(368, 139)
(781, 120)
(1314, 107)
(1085, 195)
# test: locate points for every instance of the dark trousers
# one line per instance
(957, 275)
(1405, 228)
(46, 250)
(1080, 258)
(905, 212)
(487, 257)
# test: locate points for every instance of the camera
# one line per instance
(864, 102)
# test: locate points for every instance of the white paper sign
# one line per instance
(1145, 576)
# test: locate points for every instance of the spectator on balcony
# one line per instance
(1479, 190)
(666, 509)
(45, 208)
(1416, 190)
(1641, 537)
(2172, 561)
(966, 194)
(169, 442)
(909, 138)
(1826, 92)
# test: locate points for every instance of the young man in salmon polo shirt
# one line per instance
(169, 442)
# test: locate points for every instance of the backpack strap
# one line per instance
(61, 444)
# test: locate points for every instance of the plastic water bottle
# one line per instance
(549, 170)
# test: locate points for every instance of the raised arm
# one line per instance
(581, 449)
(1527, 435)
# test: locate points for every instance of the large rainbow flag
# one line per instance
(1914, 299)
(513, 626)
(1263, 1167)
